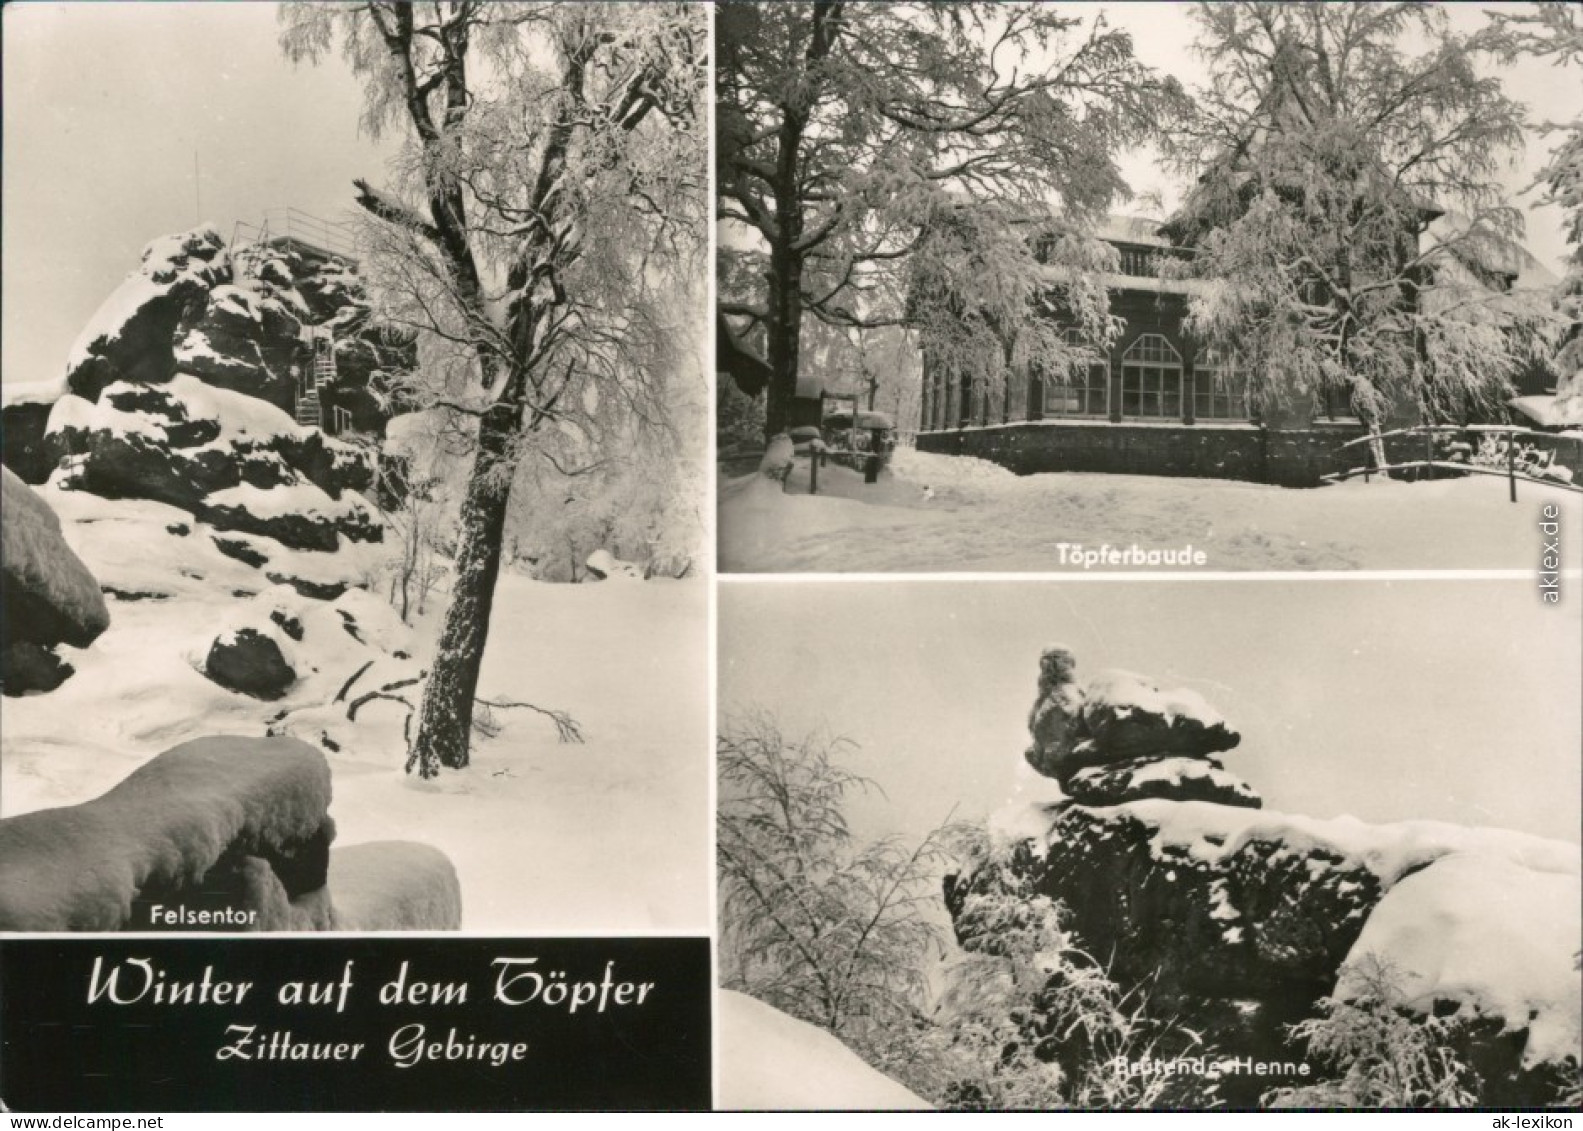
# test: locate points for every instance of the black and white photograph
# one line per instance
(1140, 845)
(355, 421)
(790, 555)
(1078, 287)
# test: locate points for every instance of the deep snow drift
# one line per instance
(936, 513)
(611, 835)
(770, 1061)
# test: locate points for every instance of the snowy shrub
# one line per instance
(842, 933)
(779, 458)
(1029, 1021)
(1381, 1054)
(1571, 1094)
(824, 927)
(418, 547)
(739, 418)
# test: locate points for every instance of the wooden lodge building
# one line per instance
(1159, 403)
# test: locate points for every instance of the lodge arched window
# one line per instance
(1151, 379)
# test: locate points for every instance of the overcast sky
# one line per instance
(105, 106)
(1388, 700)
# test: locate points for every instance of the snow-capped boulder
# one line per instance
(394, 885)
(246, 341)
(231, 460)
(262, 646)
(1129, 716)
(1244, 918)
(26, 667)
(50, 597)
(249, 662)
(1125, 721)
(605, 566)
(217, 825)
(1177, 778)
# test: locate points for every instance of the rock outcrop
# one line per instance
(195, 385)
(224, 833)
(1235, 921)
(1120, 738)
(249, 662)
(50, 597)
(323, 654)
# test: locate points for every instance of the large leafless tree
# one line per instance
(901, 163)
(552, 178)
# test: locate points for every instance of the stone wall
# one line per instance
(1288, 457)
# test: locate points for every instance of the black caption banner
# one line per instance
(354, 1024)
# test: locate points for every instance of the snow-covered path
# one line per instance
(976, 516)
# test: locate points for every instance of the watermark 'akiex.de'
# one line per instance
(1550, 555)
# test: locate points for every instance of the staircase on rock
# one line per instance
(310, 409)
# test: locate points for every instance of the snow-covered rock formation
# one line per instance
(1120, 738)
(1234, 920)
(50, 597)
(211, 378)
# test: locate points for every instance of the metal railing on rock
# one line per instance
(337, 238)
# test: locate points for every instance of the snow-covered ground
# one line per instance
(1464, 930)
(610, 835)
(936, 513)
(769, 1061)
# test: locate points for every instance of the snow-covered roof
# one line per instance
(735, 356)
(1144, 230)
(1494, 252)
(1549, 411)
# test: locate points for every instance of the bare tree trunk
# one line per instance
(785, 337)
(787, 254)
(445, 720)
